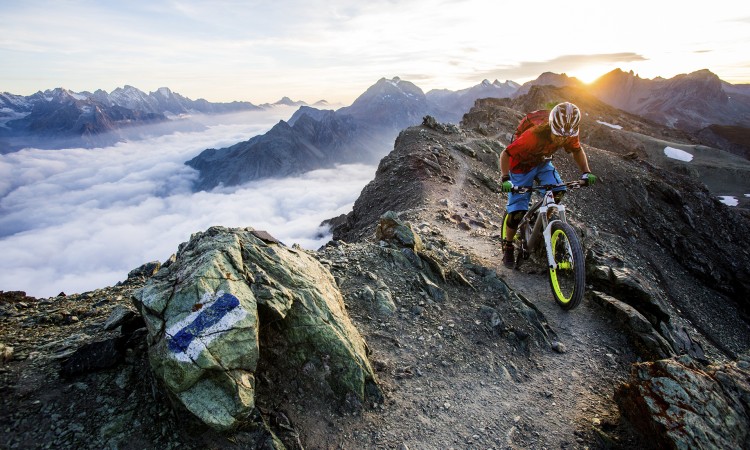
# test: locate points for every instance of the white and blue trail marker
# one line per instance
(190, 336)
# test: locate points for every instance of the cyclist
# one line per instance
(529, 158)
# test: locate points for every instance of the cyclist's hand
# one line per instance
(588, 179)
(507, 185)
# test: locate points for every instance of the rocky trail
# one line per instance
(564, 399)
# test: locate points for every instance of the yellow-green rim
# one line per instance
(553, 272)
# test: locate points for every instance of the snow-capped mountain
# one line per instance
(57, 118)
(464, 99)
(131, 98)
(396, 103)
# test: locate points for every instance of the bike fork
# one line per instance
(547, 234)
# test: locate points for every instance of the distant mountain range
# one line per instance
(716, 112)
(59, 118)
(699, 102)
(711, 111)
(688, 102)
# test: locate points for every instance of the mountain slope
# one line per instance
(310, 141)
(689, 101)
(604, 126)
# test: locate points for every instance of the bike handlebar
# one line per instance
(547, 187)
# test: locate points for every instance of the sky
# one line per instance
(259, 51)
(75, 220)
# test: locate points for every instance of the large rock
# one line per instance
(678, 404)
(204, 313)
(390, 228)
(646, 339)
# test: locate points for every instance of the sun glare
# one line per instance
(589, 74)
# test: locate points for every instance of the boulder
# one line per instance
(205, 312)
(649, 343)
(392, 229)
(676, 403)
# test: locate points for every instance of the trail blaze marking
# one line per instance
(191, 335)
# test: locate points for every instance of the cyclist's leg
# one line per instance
(518, 204)
(547, 174)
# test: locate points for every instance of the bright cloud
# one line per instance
(74, 220)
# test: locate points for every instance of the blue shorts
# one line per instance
(544, 173)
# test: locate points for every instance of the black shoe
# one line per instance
(509, 257)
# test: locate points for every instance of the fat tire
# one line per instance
(579, 268)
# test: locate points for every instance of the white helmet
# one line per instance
(564, 119)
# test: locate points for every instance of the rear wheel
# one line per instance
(568, 280)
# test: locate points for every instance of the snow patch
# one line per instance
(616, 127)
(747, 195)
(676, 153)
(729, 200)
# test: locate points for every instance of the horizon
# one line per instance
(310, 102)
(334, 50)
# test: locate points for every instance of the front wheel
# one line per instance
(568, 280)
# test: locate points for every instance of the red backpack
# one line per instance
(529, 120)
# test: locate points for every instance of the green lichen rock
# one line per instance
(390, 228)
(203, 312)
(677, 403)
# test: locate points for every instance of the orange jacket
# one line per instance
(531, 148)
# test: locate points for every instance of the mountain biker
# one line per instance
(528, 158)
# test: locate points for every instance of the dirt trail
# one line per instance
(574, 387)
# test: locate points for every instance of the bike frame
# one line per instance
(543, 209)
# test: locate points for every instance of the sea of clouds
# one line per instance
(74, 220)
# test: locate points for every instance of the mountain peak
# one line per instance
(286, 101)
(164, 92)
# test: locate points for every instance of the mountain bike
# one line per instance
(545, 221)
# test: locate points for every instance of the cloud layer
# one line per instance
(74, 220)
